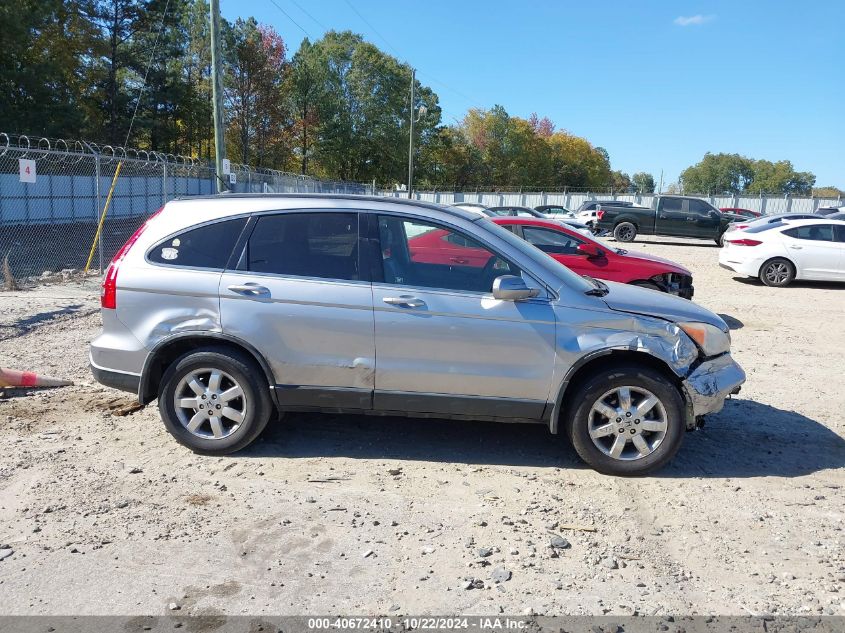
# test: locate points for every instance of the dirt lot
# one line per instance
(106, 514)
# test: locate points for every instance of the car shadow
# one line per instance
(746, 439)
(732, 322)
(821, 285)
(690, 242)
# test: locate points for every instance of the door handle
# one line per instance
(250, 289)
(405, 301)
(797, 248)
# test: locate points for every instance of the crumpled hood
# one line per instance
(628, 298)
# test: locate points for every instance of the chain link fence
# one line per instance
(769, 204)
(52, 193)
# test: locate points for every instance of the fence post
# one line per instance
(99, 205)
(164, 183)
(788, 202)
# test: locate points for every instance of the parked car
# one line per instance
(829, 210)
(774, 219)
(588, 256)
(675, 216)
(745, 213)
(778, 253)
(588, 211)
(228, 307)
(472, 207)
(555, 211)
(524, 212)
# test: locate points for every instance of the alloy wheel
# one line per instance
(210, 403)
(777, 272)
(627, 423)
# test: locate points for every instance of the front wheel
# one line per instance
(626, 421)
(625, 232)
(777, 272)
(213, 402)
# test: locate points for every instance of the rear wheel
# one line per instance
(624, 232)
(626, 420)
(212, 401)
(777, 272)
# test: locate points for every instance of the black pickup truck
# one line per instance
(675, 216)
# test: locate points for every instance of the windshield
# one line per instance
(542, 260)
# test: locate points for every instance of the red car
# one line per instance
(746, 213)
(587, 256)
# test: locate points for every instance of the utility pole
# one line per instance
(411, 137)
(217, 96)
(660, 188)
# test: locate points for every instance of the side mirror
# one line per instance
(589, 250)
(512, 288)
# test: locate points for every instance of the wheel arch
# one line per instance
(605, 359)
(786, 258)
(626, 218)
(169, 349)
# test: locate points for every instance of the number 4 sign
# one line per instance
(27, 169)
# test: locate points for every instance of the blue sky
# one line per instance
(657, 84)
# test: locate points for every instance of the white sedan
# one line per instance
(793, 249)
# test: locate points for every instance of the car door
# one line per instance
(702, 220)
(815, 253)
(298, 295)
(671, 216)
(839, 240)
(563, 247)
(444, 345)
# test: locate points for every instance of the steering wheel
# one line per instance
(488, 274)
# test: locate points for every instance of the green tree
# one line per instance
(258, 124)
(828, 192)
(780, 177)
(643, 182)
(44, 43)
(718, 174)
(620, 181)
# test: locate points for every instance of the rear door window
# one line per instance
(422, 254)
(814, 232)
(323, 245)
(550, 241)
(672, 204)
(206, 246)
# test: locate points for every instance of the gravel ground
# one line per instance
(344, 514)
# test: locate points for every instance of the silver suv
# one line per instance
(229, 307)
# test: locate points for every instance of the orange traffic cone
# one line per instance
(14, 378)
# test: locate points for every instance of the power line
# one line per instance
(383, 39)
(300, 7)
(287, 15)
(398, 54)
(146, 73)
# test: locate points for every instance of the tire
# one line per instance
(233, 423)
(647, 284)
(665, 418)
(777, 272)
(721, 239)
(624, 232)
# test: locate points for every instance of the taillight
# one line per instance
(108, 294)
(739, 227)
(745, 242)
(600, 214)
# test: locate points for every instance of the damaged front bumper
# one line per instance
(709, 384)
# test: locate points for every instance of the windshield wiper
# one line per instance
(600, 290)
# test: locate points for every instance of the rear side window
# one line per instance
(815, 232)
(550, 241)
(672, 204)
(207, 246)
(321, 245)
